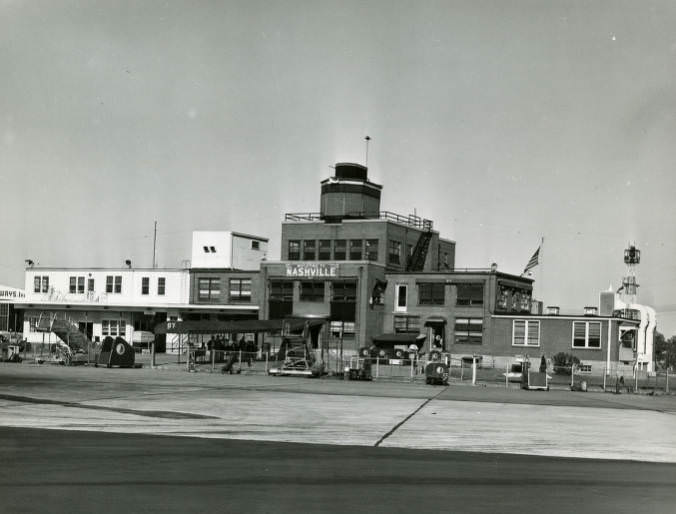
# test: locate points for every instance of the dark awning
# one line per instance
(246, 326)
(399, 338)
(434, 320)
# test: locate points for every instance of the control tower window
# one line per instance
(294, 250)
(340, 249)
(309, 250)
(324, 250)
(372, 249)
(394, 256)
(356, 249)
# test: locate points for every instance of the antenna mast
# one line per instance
(154, 244)
(367, 139)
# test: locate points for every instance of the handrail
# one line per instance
(410, 219)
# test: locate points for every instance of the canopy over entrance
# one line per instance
(245, 326)
(399, 339)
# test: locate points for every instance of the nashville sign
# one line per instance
(312, 270)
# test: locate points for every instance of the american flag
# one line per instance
(534, 260)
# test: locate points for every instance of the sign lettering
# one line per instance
(312, 270)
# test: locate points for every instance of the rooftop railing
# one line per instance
(411, 220)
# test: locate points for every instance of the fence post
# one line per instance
(473, 369)
(411, 370)
(213, 357)
(462, 369)
(605, 371)
(378, 369)
(666, 390)
(266, 362)
(572, 375)
(152, 355)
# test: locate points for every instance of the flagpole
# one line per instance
(542, 270)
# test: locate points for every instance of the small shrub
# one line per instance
(563, 363)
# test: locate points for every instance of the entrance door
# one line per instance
(436, 334)
(87, 328)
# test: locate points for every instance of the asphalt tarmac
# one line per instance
(86, 472)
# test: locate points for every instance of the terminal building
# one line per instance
(366, 278)
(130, 301)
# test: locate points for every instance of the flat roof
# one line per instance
(85, 268)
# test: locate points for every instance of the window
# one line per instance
(90, 285)
(213, 249)
(431, 293)
(394, 255)
(294, 250)
(114, 284)
(161, 285)
(113, 328)
(356, 249)
(344, 329)
(240, 289)
(372, 249)
(36, 284)
(311, 291)
(280, 303)
(206, 249)
(339, 249)
(80, 285)
(407, 324)
(468, 330)
(470, 294)
(309, 250)
(400, 292)
(209, 288)
(145, 285)
(73, 285)
(324, 250)
(343, 301)
(255, 245)
(45, 284)
(587, 334)
(526, 332)
(281, 290)
(344, 291)
(33, 324)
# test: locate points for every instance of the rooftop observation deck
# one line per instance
(410, 220)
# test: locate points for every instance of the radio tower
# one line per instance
(632, 257)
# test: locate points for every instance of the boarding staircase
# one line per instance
(75, 347)
(416, 261)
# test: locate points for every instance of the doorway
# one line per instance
(87, 328)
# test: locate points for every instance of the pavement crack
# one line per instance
(396, 427)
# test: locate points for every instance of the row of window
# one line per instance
(209, 288)
(586, 334)
(333, 249)
(113, 328)
(466, 330)
(76, 285)
(313, 291)
(433, 293)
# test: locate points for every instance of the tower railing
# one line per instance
(410, 220)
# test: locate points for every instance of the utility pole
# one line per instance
(154, 244)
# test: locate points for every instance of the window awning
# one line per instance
(399, 338)
(433, 320)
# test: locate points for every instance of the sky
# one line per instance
(503, 122)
